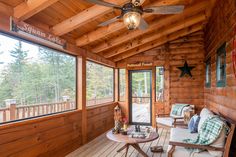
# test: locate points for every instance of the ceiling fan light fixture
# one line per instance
(132, 19)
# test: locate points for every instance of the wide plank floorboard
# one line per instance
(103, 147)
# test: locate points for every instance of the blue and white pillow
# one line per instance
(193, 124)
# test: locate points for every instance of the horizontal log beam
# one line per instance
(29, 8)
(155, 35)
(82, 18)
(159, 42)
(155, 25)
(114, 27)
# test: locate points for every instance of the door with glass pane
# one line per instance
(140, 97)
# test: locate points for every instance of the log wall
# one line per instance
(171, 56)
(54, 135)
(221, 29)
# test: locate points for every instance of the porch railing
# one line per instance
(14, 112)
(96, 101)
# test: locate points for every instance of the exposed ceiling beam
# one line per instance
(6, 9)
(155, 35)
(156, 24)
(104, 31)
(189, 39)
(82, 18)
(159, 42)
(29, 8)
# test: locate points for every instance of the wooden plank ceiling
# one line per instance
(77, 22)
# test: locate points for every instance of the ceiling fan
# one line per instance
(132, 11)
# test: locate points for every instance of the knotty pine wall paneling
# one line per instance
(221, 28)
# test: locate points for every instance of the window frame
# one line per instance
(221, 51)
(101, 104)
(119, 85)
(156, 100)
(208, 71)
(62, 51)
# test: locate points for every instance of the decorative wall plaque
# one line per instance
(34, 32)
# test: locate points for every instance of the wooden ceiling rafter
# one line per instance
(155, 35)
(6, 9)
(29, 8)
(160, 41)
(83, 18)
(105, 45)
(102, 32)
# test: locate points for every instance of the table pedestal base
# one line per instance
(135, 145)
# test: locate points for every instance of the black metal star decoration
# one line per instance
(186, 70)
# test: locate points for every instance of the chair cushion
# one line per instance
(220, 142)
(204, 114)
(167, 121)
(184, 109)
(182, 152)
(178, 135)
(193, 124)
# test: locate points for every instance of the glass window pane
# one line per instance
(221, 66)
(122, 84)
(208, 74)
(160, 84)
(100, 84)
(34, 80)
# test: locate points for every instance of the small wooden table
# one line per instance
(129, 141)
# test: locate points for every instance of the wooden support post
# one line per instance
(82, 95)
(12, 111)
(127, 94)
(116, 85)
(167, 84)
(153, 96)
(68, 104)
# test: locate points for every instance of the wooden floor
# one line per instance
(102, 147)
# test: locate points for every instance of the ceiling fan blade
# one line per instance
(103, 3)
(109, 21)
(171, 9)
(143, 24)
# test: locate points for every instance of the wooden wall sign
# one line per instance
(34, 32)
(139, 64)
(234, 54)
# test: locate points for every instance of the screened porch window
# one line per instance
(100, 84)
(34, 80)
(221, 66)
(122, 84)
(208, 73)
(160, 84)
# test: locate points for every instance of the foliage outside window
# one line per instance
(208, 73)
(100, 84)
(160, 84)
(221, 66)
(122, 84)
(34, 80)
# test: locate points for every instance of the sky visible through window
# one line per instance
(7, 44)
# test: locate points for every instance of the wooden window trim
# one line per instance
(50, 115)
(119, 85)
(110, 102)
(220, 51)
(208, 63)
